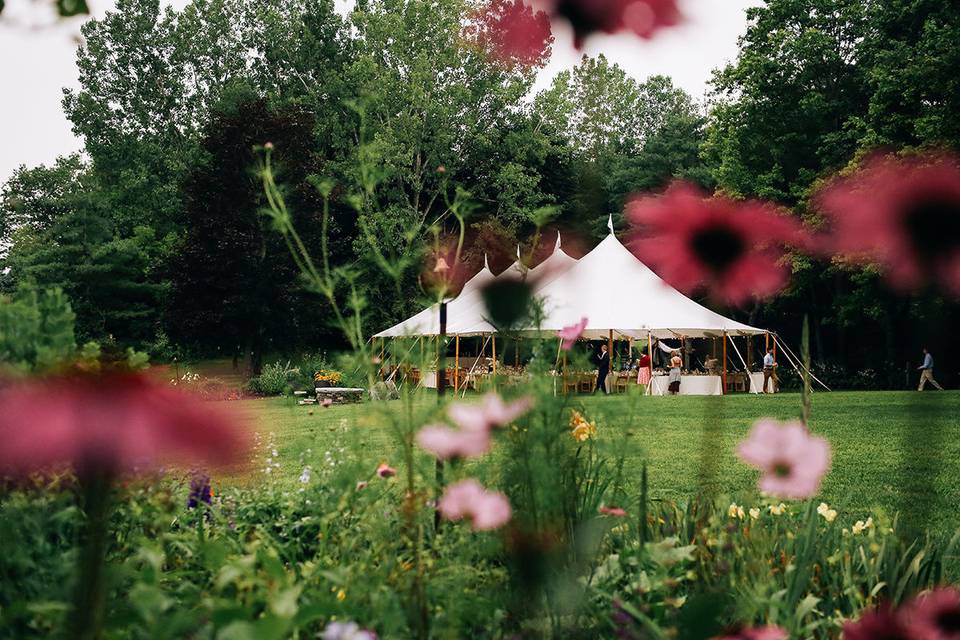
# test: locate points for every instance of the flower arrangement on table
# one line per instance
(327, 376)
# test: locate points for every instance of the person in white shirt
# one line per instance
(926, 371)
(769, 371)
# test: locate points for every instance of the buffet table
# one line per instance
(689, 385)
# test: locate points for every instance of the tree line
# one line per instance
(155, 233)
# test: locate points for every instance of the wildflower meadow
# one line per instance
(400, 319)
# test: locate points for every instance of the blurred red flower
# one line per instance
(734, 250)
(641, 17)
(935, 615)
(769, 632)
(114, 423)
(877, 623)
(511, 31)
(903, 213)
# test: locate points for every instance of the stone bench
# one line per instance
(339, 395)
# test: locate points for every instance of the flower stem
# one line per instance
(89, 597)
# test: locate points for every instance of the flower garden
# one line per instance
(206, 432)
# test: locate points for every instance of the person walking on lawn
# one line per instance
(770, 371)
(926, 372)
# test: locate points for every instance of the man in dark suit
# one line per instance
(603, 368)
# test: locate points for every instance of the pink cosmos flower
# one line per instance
(326, 403)
(903, 214)
(468, 499)
(570, 335)
(386, 471)
(489, 413)
(877, 623)
(935, 615)
(641, 17)
(615, 512)
(510, 31)
(116, 423)
(791, 460)
(347, 631)
(768, 632)
(445, 443)
(361, 485)
(734, 250)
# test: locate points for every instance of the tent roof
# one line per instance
(609, 286)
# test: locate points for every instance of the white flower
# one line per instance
(736, 511)
(828, 514)
(754, 513)
(860, 526)
(778, 510)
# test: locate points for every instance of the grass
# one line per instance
(892, 451)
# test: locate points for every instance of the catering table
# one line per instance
(689, 385)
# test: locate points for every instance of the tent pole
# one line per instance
(564, 373)
(494, 343)
(774, 348)
(456, 365)
(766, 341)
(610, 348)
(724, 381)
(649, 389)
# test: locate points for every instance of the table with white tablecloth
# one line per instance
(689, 385)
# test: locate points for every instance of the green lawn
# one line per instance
(885, 444)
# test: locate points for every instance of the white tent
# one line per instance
(609, 286)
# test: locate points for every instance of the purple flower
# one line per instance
(199, 490)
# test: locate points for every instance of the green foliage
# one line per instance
(36, 329)
(274, 379)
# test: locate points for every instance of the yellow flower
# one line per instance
(341, 595)
(580, 428)
(754, 513)
(735, 511)
(828, 514)
(860, 526)
(778, 510)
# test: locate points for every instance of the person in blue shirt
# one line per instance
(926, 371)
(769, 371)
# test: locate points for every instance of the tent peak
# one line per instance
(610, 223)
(486, 262)
(557, 246)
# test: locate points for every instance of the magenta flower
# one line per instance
(489, 413)
(386, 471)
(446, 443)
(641, 17)
(791, 460)
(768, 632)
(615, 512)
(326, 403)
(878, 623)
(570, 335)
(113, 423)
(903, 214)
(347, 631)
(468, 499)
(935, 615)
(733, 250)
(511, 32)
(361, 485)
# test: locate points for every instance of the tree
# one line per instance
(233, 281)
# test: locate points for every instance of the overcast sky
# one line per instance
(37, 63)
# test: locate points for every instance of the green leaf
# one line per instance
(284, 604)
(68, 8)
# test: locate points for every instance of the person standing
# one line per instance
(644, 370)
(926, 372)
(675, 374)
(603, 368)
(769, 371)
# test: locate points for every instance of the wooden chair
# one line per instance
(570, 384)
(621, 384)
(585, 382)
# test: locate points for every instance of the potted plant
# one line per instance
(326, 378)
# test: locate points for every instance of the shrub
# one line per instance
(275, 379)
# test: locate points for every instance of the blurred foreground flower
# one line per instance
(347, 631)
(511, 31)
(386, 471)
(489, 413)
(769, 632)
(446, 443)
(580, 428)
(615, 512)
(903, 214)
(643, 18)
(468, 499)
(733, 250)
(792, 462)
(935, 615)
(569, 335)
(877, 623)
(112, 424)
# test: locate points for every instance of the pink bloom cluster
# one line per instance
(468, 499)
(734, 250)
(768, 632)
(116, 423)
(643, 18)
(791, 460)
(475, 422)
(934, 615)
